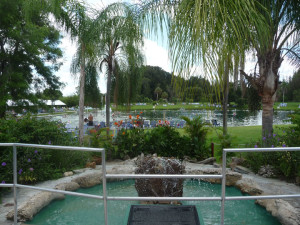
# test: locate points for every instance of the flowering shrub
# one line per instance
(35, 165)
(286, 163)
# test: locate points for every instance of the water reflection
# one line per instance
(235, 117)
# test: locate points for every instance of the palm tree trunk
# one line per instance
(225, 97)
(268, 70)
(81, 94)
(242, 79)
(267, 115)
(107, 103)
(236, 73)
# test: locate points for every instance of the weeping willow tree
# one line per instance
(119, 40)
(92, 92)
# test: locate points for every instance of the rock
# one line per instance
(126, 157)
(249, 186)
(67, 174)
(159, 187)
(209, 161)
(81, 170)
(267, 171)
(242, 170)
(88, 180)
(237, 161)
(216, 165)
(281, 209)
(231, 177)
(71, 186)
(91, 165)
(97, 160)
(34, 205)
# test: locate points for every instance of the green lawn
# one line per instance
(290, 106)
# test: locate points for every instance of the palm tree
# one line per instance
(119, 39)
(283, 39)
(83, 56)
(158, 92)
(197, 29)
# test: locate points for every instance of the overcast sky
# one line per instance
(156, 54)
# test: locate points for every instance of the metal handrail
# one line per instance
(223, 198)
(225, 150)
(15, 184)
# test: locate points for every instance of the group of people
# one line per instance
(89, 120)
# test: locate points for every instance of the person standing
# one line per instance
(91, 120)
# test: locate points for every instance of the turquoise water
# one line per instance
(78, 210)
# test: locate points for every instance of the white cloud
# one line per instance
(156, 55)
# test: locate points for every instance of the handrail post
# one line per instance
(223, 186)
(15, 183)
(104, 186)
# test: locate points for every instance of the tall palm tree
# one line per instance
(198, 27)
(84, 54)
(119, 40)
(283, 39)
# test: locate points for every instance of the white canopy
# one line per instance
(54, 103)
(25, 102)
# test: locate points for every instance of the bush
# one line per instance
(163, 140)
(166, 141)
(286, 163)
(197, 132)
(34, 164)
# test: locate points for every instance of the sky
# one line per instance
(155, 52)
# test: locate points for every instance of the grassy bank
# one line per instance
(204, 105)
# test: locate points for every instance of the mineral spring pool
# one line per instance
(75, 210)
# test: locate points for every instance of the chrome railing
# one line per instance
(105, 198)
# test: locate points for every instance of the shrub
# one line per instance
(34, 164)
(286, 163)
(197, 132)
(166, 141)
(130, 142)
(163, 140)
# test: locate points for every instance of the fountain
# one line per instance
(159, 187)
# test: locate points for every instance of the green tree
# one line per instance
(197, 29)
(28, 52)
(83, 26)
(92, 93)
(119, 40)
(282, 26)
(164, 95)
(70, 101)
(157, 92)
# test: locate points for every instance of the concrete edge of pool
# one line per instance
(30, 202)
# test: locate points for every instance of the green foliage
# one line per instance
(286, 163)
(130, 142)
(37, 164)
(70, 101)
(163, 140)
(27, 42)
(166, 141)
(91, 91)
(197, 132)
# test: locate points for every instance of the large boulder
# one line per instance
(34, 205)
(159, 187)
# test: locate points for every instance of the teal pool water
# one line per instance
(84, 211)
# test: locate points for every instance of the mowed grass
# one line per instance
(240, 135)
(202, 105)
